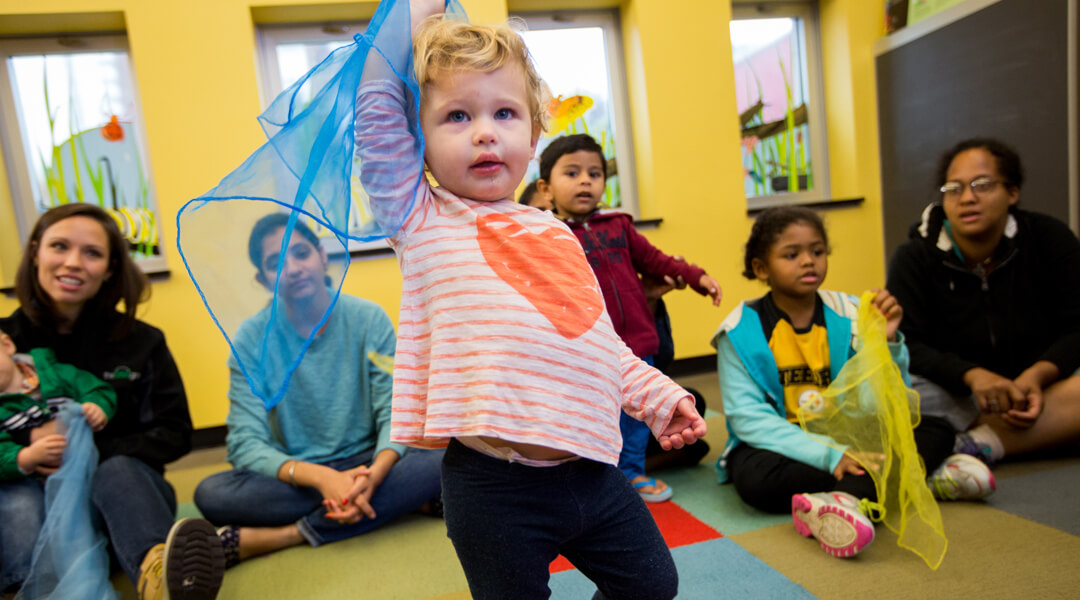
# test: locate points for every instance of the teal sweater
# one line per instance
(55, 381)
(338, 400)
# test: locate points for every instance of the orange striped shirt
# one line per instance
(503, 331)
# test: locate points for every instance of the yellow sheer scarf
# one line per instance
(869, 413)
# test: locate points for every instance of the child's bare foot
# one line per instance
(651, 490)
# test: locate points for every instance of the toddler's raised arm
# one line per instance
(387, 131)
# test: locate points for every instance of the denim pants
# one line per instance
(248, 499)
(635, 440)
(22, 513)
(135, 502)
(508, 521)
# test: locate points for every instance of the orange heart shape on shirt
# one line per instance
(549, 269)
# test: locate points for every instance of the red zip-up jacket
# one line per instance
(617, 253)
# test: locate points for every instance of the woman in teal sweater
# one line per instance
(318, 466)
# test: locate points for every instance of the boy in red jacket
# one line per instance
(573, 174)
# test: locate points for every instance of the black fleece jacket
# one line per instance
(152, 422)
(1025, 310)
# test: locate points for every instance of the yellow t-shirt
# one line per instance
(802, 356)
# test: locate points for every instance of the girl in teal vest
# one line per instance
(778, 353)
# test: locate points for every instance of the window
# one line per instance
(75, 135)
(286, 53)
(781, 109)
(579, 56)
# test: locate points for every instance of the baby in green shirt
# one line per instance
(32, 385)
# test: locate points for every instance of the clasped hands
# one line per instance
(347, 494)
(1018, 402)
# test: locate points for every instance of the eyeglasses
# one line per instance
(979, 185)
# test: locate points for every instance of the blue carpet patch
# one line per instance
(1042, 497)
(709, 570)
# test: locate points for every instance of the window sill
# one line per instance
(831, 203)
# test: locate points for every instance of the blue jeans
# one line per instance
(248, 499)
(22, 513)
(635, 439)
(508, 522)
(135, 502)
(138, 507)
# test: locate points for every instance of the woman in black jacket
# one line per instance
(74, 272)
(991, 297)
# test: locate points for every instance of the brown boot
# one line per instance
(150, 585)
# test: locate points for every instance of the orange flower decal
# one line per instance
(112, 130)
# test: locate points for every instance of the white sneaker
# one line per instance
(962, 477)
(834, 519)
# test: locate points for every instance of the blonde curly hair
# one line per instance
(442, 44)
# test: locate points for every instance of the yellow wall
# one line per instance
(195, 68)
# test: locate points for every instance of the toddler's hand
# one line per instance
(888, 306)
(713, 288)
(422, 9)
(655, 286)
(847, 464)
(95, 417)
(686, 426)
(47, 451)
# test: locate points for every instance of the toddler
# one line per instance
(573, 175)
(504, 348)
(529, 197)
(31, 387)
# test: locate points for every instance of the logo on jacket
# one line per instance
(121, 373)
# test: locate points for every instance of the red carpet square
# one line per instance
(678, 527)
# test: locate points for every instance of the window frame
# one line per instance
(815, 91)
(608, 20)
(14, 144)
(267, 38)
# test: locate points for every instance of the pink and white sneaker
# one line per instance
(834, 519)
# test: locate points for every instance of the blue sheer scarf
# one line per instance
(70, 561)
(308, 170)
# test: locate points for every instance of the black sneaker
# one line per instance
(194, 562)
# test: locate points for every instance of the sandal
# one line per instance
(230, 543)
(661, 496)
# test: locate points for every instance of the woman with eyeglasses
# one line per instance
(991, 297)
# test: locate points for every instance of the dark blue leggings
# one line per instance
(508, 522)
